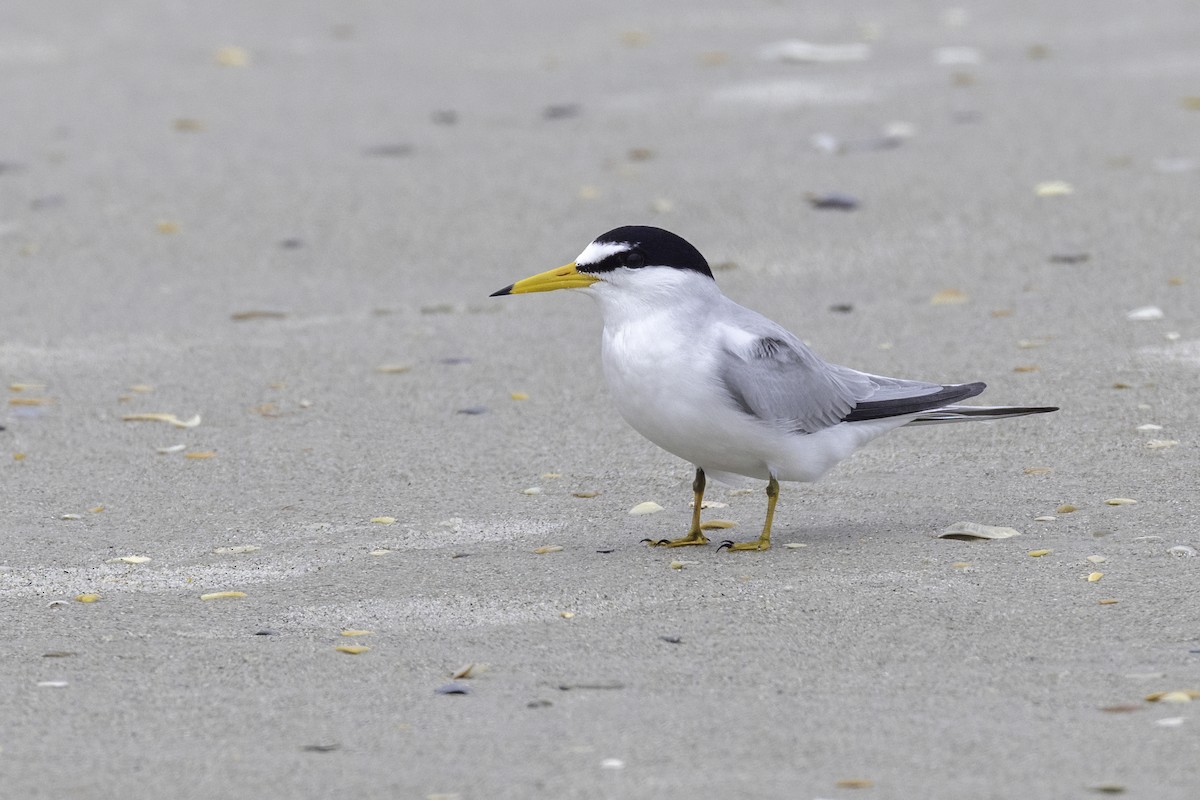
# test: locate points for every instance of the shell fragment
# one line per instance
(973, 531)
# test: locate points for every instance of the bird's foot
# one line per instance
(695, 537)
(757, 544)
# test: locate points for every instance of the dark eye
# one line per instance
(633, 259)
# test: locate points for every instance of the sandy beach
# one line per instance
(247, 354)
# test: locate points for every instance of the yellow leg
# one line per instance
(694, 536)
(764, 539)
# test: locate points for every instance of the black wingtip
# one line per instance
(502, 292)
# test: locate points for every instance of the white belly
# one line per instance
(669, 391)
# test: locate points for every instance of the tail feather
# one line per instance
(937, 416)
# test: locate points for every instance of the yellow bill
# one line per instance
(564, 277)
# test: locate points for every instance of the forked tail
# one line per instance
(937, 416)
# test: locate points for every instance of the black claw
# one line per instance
(650, 542)
(724, 544)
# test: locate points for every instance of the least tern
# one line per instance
(725, 388)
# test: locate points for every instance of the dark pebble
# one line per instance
(453, 688)
(607, 551)
(671, 639)
(833, 200)
(538, 704)
(473, 411)
(841, 308)
(321, 748)
(561, 111)
(1068, 258)
(455, 361)
(267, 632)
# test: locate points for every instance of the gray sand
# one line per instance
(146, 191)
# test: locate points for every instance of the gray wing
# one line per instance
(775, 378)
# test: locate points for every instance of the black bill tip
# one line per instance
(502, 292)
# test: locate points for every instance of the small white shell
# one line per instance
(973, 530)
(648, 507)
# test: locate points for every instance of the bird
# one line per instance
(725, 388)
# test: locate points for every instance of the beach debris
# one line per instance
(708, 504)
(1045, 518)
(1069, 257)
(170, 419)
(795, 545)
(1095, 576)
(561, 111)
(1169, 722)
(1026, 368)
(466, 671)
(855, 783)
(1174, 696)
(1108, 601)
(1145, 314)
(266, 632)
(1161, 444)
(166, 451)
(384, 520)
(971, 531)
(567, 614)
(1039, 553)
(518, 396)
(200, 455)
(1106, 788)
(355, 632)
(1182, 551)
(473, 411)
(671, 639)
(1120, 501)
(29, 401)
(532, 491)
(237, 548)
(1097, 559)
(1149, 426)
(612, 763)
(893, 135)
(797, 51)
(352, 649)
(232, 56)
(1053, 189)
(222, 595)
(53, 684)
(949, 297)
(257, 313)
(548, 548)
(1038, 470)
(71, 516)
(717, 524)
(87, 597)
(321, 748)
(383, 551)
(128, 560)
(1065, 508)
(837, 201)
(682, 564)
(453, 688)
(648, 507)
(585, 495)
(393, 369)
(167, 227)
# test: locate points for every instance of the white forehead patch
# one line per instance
(596, 252)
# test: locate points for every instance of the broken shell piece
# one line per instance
(1149, 426)
(352, 649)
(1053, 189)
(532, 490)
(393, 369)
(1038, 470)
(1065, 508)
(222, 595)
(1039, 553)
(201, 454)
(237, 548)
(161, 417)
(96, 509)
(968, 531)
(1182, 551)
(549, 548)
(466, 671)
(1046, 518)
(518, 396)
(355, 632)
(128, 560)
(1097, 559)
(949, 297)
(1145, 314)
(648, 507)
(53, 684)
(1161, 444)
(585, 495)
(797, 51)
(380, 552)
(708, 504)
(166, 451)
(682, 564)
(1108, 601)
(795, 545)
(1095, 576)
(1120, 501)
(71, 516)
(1177, 696)
(567, 614)
(855, 783)
(90, 597)
(384, 520)
(717, 524)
